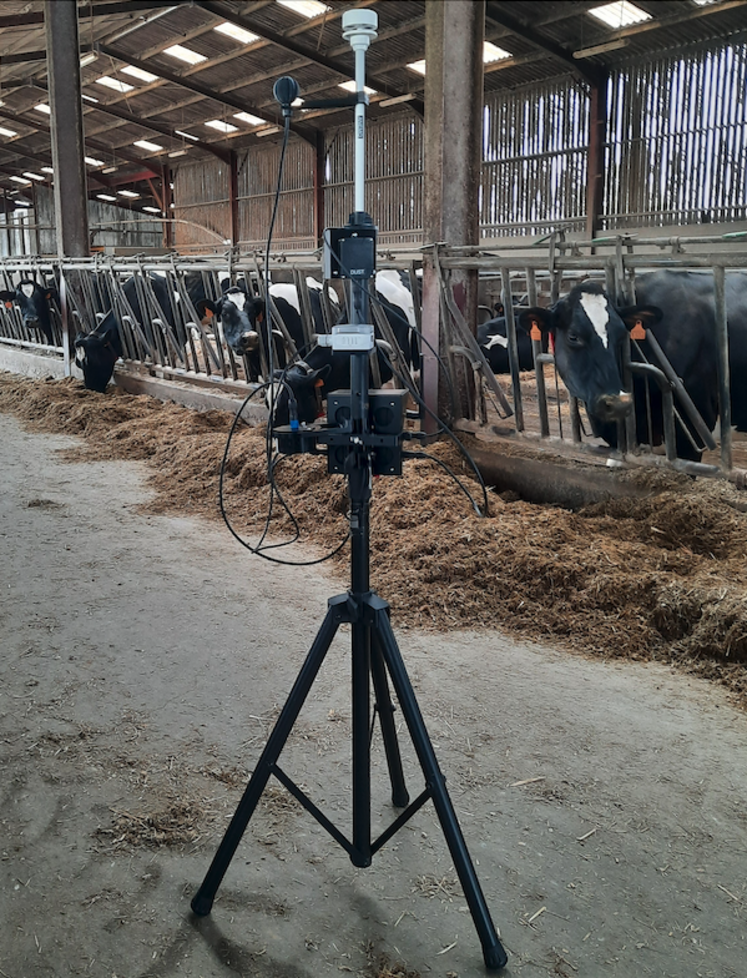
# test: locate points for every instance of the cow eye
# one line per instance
(573, 338)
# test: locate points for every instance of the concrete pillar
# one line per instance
(68, 148)
(454, 34)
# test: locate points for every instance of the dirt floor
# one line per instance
(581, 676)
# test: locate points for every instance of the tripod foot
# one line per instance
(201, 905)
(495, 957)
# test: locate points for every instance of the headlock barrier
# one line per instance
(165, 333)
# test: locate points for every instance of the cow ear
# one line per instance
(7, 297)
(537, 321)
(205, 309)
(640, 318)
(258, 307)
(51, 293)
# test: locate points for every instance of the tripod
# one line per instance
(367, 440)
(374, 654)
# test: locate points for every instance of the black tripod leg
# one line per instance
(385, 708)
(202, 901)
(493, 952)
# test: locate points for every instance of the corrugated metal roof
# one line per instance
(545, 39)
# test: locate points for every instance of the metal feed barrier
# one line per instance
(172, 343)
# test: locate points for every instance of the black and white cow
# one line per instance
(323, 370)
(493, 339)
(96, 352)
(33, 301)
(242, 315)
(679, 308)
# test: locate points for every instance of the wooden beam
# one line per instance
(194, 86)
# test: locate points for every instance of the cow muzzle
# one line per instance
(248, 342)
(613, 407)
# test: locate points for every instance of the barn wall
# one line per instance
(394, 178)
(202, 209)
(535, 159)
(109, 226)
(258, 177)
(677, 141)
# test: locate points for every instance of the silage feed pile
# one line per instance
(659, 577)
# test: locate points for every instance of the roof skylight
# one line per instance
(418, 66)
(145, 144)
(306, 8)
(251, 120)
(236, 32)
(7, 132)
(114, 83)
(185, 54)
(491, 52)
(350, 86)
(620, 14)
(43, 107)
(140, 73)
(222, 126)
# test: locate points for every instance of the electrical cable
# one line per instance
(285, 91)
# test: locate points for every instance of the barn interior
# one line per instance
(514, 149)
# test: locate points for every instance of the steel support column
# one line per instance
(595, 165)
(168, 221)
(70, 199)
(454, 34)
(233, 197)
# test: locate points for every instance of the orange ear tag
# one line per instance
(535, 332)
(8, 305)
(260, 317)
(638, 332)
(319, 382)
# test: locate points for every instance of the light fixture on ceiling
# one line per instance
(7, 132)
(43, 107)
(268, 132)
(128, 193)
(22, 180)
(32, 176)
(88, 59)
(179, 152)
(187, 135)
(106, 197)
(92, 161)
(152, 210)
(620, 42)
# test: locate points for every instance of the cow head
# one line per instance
(97, 352)
(239, 314)
(33, 301)
(305, 384)
(587, 332)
